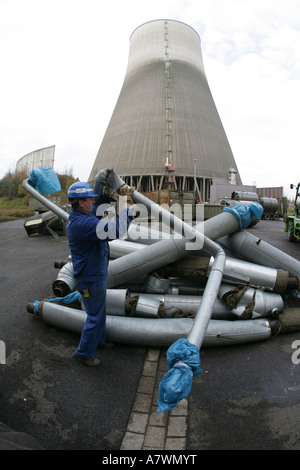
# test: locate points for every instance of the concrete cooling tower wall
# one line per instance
(165, 128)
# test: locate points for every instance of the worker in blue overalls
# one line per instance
(88, 237)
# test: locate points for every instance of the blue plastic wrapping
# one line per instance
(68, 299)
(175, 386)
(44, 180)
(244, 214)
(36, 304)
(256, 209)
(183, 350)
(177, 382)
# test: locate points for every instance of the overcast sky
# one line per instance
(63, 63)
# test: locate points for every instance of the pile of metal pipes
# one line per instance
(214, 284)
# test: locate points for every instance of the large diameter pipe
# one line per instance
(188, 305)
(213, 228)
(245, 272)
(46, 202)
(120, 247)
(262, 303)
(137, 263)
(65, 282)
(116, 302)
(236, 270)
(157, 332)
(258, 251)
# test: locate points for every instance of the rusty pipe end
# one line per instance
(30, 307)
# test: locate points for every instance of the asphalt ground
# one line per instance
(247, 397)
(43, 391)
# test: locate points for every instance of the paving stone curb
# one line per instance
(147, 429)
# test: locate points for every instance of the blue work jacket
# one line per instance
(89, 248)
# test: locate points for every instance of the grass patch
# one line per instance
(13, 214)
(14, 203)
(14, 208)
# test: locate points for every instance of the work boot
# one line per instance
(90, 362)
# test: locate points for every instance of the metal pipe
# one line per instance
(210, 294)
(139, 232)
(157, 332)
(189, 304)
(235, 271)
(154, 284)
(116, 301)
(51, 206)
(199, 240)
(132, 266)
(258, 251)
(119, 247)
(213, 228)
(214, 281)
(204, 312)
(65, 282)
(147, 307)
(239, 271)
(262, 303)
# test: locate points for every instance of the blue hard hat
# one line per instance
(80, 190)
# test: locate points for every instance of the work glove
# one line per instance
(128, 192)
(124, 197)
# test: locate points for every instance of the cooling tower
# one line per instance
(165, 131)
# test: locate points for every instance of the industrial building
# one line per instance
(43, 158)
(165, 131)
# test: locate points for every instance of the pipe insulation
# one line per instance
(236, 270)
(252, 300)
(161, 332)
(65, 282)
(187, 305)
(119, 303)
(213, 228)
(137, 263)
(255, 250)
(240, 271)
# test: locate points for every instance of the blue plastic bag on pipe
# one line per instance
(183, 350)
(256, 209)
(244, 214)
(175, 386)
(68, 299)
(177, 382)
(44, 180)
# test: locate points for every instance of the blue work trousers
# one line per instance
(94, 330)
